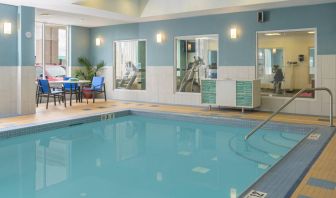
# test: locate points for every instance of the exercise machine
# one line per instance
(129, 76)
(191, 76)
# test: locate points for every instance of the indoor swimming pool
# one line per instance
(142, 156)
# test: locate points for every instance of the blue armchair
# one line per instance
(97, 86)
(45, 91)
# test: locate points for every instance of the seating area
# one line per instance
(70, 87)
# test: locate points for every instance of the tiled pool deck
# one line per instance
(320, 181)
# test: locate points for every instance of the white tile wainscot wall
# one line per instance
(17, 90)
(26, 90)
(8, 89)
(160, 85)
(160, 88)
(236, 72)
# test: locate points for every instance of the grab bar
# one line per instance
(331, 114)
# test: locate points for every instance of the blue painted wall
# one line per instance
(8, 43)
(108, 35)
(16, 49)
(26, 47)
(240, 52)
(80, 44)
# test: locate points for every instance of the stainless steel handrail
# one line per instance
(331, 115)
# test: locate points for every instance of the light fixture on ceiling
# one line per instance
(45, 14)
(233, 33)
(98, 41)
(233, 193)
(7, 28)
(274, 50)
(273, 34)
(311, 32)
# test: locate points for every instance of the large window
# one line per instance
(130, 64)
(51, 51)
(286, 62)
(196, 59)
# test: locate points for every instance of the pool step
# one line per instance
(279, 141)
(292, 136)
(264, 148)
(258, 143)
(243, 149)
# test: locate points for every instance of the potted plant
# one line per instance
(89, 70)
(87, 73)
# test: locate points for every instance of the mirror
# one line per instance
(196, 59)
(130, 64)
(286, 62)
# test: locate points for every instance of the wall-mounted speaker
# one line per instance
(260, 17)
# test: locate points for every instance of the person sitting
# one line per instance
(278, 78)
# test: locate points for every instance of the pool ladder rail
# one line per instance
(331, 114)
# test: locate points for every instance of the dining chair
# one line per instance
(97, 87)
(71, 89)
(44, 90)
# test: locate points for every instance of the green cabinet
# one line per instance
(244, 94)
(208, 90)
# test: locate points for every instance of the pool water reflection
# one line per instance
(141, 157)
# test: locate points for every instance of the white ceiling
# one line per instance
(93, 13)
(66, 18)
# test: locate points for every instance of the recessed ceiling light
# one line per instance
(214, 158)
(233, 193)
(272, 34)
(263, 166)
(184, 153)
(45, 14)
(311, 32)
(201, 170)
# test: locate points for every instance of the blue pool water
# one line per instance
(139, 157)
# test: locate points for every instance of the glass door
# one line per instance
(51, 51)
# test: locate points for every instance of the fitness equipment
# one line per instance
(191, 76)
(129, 76)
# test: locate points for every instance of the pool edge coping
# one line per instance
(262, 185)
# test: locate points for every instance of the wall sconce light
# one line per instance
(233, 33)
(7, 28)
(98, 41)
(159, 37)
(189, 46)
